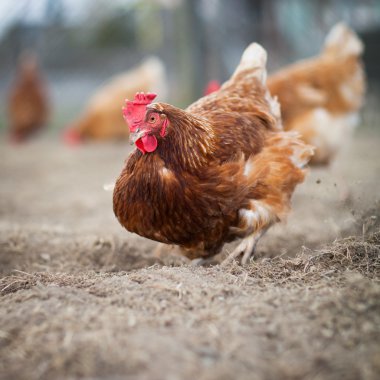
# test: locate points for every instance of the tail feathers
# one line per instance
(254, 58)
(253, 63)
(343, 41)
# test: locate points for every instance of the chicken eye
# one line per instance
(152, 119)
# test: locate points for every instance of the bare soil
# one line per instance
(81, 298)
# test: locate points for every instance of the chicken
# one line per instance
(102, 119)
(220, 170)
(321, 97)
(28, 101)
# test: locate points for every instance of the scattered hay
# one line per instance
(358, 254)
(361, 254)
(24, 280)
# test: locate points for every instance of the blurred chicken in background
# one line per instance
(102, 118)
(28, 101)
(321, 97)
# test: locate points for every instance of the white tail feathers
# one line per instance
(254, 58)
(343, 41)
(253, 64)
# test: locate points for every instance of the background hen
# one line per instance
(321, 97)
(102, 119)
(28, 102)
(220, 170)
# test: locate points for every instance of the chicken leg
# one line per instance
(245, 248)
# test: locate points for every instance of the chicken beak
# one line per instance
(133, 137)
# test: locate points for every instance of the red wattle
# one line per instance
(140, 146)
(148, 143)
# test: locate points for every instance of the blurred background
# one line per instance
(82, 43)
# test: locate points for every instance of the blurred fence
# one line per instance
(81, 43)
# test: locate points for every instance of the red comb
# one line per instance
(211, 87)
(71, 137)
(134, 110)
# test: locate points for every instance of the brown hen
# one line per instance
(221, 170)
(28, 102)
(102, 119)
(321, 97)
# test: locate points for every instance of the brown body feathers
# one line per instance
(223, 170)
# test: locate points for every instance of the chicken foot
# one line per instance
(245, 248)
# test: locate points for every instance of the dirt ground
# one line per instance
(82, 298)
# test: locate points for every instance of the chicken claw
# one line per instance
(245, 248)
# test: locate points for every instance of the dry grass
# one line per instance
(361, 254)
